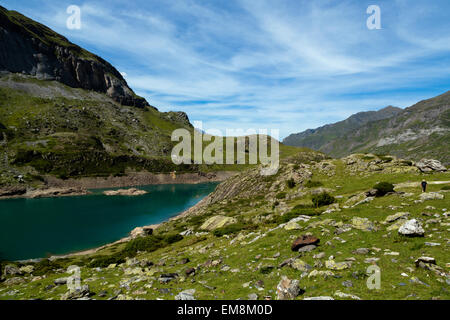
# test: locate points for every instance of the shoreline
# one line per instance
(77, 187)
(180, 179)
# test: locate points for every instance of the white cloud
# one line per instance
(292, 64)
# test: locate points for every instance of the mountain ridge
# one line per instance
(31, 48)
(414, 132)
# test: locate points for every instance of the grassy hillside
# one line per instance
(249, 254)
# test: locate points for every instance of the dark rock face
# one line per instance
(31, 48)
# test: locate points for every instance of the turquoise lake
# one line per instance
(35, 228)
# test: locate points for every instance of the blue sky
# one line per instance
(288, 65)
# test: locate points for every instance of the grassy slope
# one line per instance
(258, 216)
(53, 129)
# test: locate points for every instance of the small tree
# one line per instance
(383, 188)
(322, 199)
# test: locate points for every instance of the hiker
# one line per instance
(424, 186)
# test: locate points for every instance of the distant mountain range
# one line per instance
(420, 131)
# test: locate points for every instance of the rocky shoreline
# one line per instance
(75, 187)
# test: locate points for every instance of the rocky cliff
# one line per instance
(31, 48)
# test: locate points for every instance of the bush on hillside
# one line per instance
(313, 184)
(383, 188)
(322, 199)
(281, 195)
(290, 183)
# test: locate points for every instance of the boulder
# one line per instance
(332, 265)
(300, 265)
(217, 222)
(426, 260)
(79, 293)
(186, 295)
(362, 224)
(397, 216)
(412, 228)
(324, 274)
(431, 196)
(288, 289)
(27, 269)
(429, 165)
(304, 241)
(60, 281)
(11, 270)
(292, 226)
(307, 248)
(343, 295)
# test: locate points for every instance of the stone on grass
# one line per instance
(300, 265)
(397, 216)
(307, 248)
(186, 295)
(341, 294)
(412, 228)
(288, 289)
(333, 265)
(292, 226)
(363, 224)
(431, 196)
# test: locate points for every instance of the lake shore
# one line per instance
(75, 187)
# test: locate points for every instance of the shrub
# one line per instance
(383, 188)
(266, 269)
(233, 229)
(445, 188)
(290, 183)
(281, 195)
(313, 184)
(172, 238)
(322, 199)
(105, 261)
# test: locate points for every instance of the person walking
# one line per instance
(424, 186)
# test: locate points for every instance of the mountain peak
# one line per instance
(31, 48)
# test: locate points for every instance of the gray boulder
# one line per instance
(186, 295)
(429, 165)
(412, 228)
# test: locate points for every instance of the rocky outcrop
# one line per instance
(430, 165)
(125, 192)
(217, 222)
(31, 48)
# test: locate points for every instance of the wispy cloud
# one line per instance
(285, 64)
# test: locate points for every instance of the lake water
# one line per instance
(34, 228)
